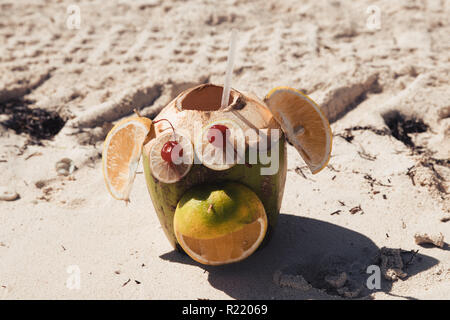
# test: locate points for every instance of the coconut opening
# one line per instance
(205, 98)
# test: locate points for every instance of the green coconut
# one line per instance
(200, 105)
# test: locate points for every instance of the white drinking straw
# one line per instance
(229, 73)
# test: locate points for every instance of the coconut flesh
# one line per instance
(195, 109)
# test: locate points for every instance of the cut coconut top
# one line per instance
(206, 97)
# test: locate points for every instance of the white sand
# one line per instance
(141, 54)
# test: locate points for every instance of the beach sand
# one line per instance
(385, 88)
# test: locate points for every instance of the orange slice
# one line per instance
(304, 124)
(121, 154)
(230, 248)
(181, 157)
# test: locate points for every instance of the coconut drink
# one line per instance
(215, 175)
(192, 114)
(215, 164)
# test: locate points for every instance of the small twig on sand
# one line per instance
(335, 212)
(356, 210)
(410, 173)
(299, 171)
(373, 181)
(365, 155)
(33, 154)
(126, 282)
(330, 166)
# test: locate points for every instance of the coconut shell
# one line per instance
(249, 113)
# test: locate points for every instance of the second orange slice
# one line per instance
(304, 124)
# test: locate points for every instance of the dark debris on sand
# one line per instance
(37, 123)
(401, 126)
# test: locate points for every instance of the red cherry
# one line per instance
(212, 134)
(167, 150)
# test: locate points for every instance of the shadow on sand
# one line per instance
(303, 246)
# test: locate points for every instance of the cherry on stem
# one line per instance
(217, 135)
(168, 149)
